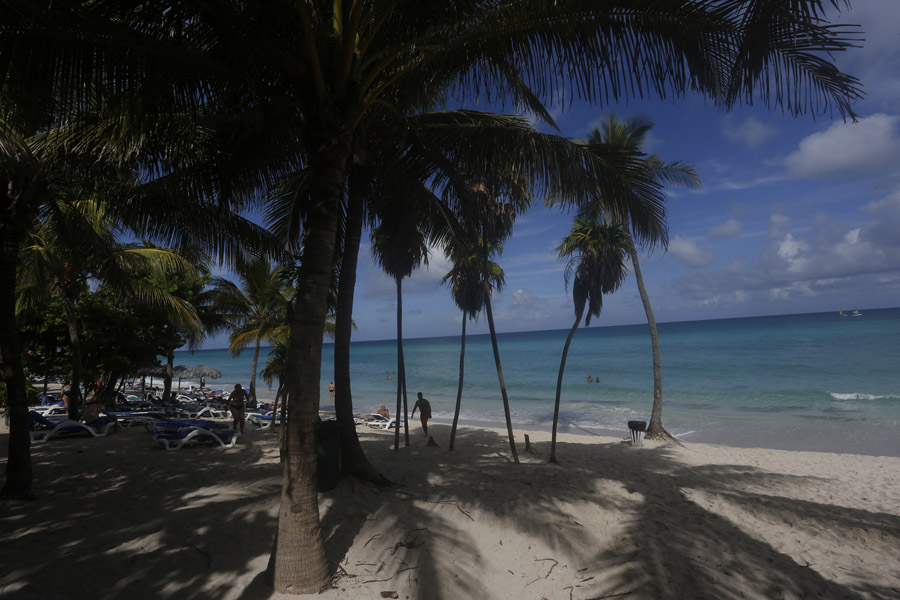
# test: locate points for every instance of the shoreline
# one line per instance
(877, 441)
(657, 521)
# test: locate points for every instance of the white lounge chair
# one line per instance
(42, 428)
(381, 422)
(226, 438)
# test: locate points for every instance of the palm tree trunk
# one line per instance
(462, 363)
(405, 406)
(512, 440)
(167, 381)
(252, 391)
(400, 372)
(562, 369)
(656, 429)
(298, 564)
(19, 473)
(353, 459)
(282, 434)
(75, 397)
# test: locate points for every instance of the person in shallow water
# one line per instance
(424, 411)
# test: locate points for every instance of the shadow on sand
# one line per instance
(124, 519)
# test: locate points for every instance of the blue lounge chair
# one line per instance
(172, 441)
(263, 420)
(179, 425)
(42, 429)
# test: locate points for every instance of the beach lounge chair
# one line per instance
(127, 418)
(262, 419)
(180, 425)
(42, 429)
(172, 441)
(381, 422)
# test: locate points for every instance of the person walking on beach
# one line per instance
(236, 401)
(424, 411)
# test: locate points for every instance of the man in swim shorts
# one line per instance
(424, 411)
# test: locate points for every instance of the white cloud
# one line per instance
(847, 149)
(831, 258)
(689, 252)
(726, 229)
(751, 132)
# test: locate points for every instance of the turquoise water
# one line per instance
(811, 382)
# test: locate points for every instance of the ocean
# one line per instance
(816, 382)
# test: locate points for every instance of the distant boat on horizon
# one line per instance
(856, 313)
(841, 312)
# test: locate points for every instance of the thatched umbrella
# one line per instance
(151, 371)
(202, 371)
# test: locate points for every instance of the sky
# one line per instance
(795, 215)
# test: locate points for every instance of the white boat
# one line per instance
(856, 313)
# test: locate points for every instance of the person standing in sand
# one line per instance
(236, 401)
(424, 411)
(331, 390)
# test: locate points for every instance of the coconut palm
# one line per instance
(596, 254)
(468, 292)
(631, 133)
(399, 247)
(256, 308)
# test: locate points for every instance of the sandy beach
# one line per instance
(123, 518)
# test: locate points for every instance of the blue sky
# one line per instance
(796, 214)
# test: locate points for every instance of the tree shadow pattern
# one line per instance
(655, 526)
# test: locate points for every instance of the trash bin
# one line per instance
(328, 455)
(637, 432)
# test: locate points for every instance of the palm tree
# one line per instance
(256, 308)
(399, 247)
(76, 242)
(468, 293)
(596, 265)
(331, 70)
(631, 134)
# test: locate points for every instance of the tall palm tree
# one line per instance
(596, 254)
(399, 247)
(256, 308)
(468, 292)
(489, 218)
(631, 133)
(332, 69)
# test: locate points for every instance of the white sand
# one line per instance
(121, 518)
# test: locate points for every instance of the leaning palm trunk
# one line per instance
(462, 362)
(19, 472)
(512, 440)
(559, 380)
(656, 429)
(75, 397)
(298, 564)
(353, 459)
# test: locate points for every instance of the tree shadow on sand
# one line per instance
(199, 523)
(675, 537)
